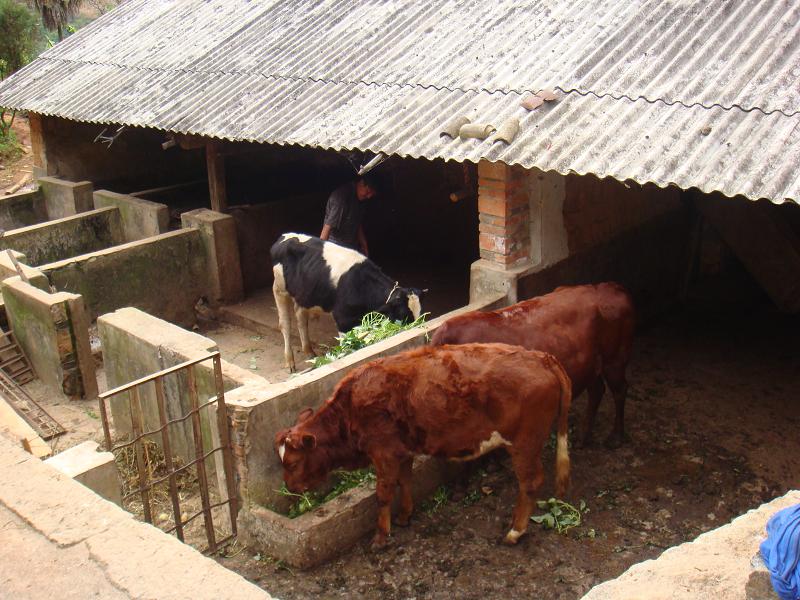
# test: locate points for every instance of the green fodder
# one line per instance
(345, 480)
(374, 327)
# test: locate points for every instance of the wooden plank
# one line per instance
(14, 426)
(215, 163)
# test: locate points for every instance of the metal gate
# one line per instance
(139, 435)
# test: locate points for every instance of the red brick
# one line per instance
(492, 170)
(493, 206)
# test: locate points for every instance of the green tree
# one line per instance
(56, 14)
(18, 30)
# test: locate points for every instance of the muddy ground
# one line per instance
(713, 418)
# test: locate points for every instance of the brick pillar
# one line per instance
(504, 215)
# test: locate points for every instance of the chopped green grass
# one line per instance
(345, 480)
(559, 515)
(374, 328)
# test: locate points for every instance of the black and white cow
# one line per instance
(312, 273)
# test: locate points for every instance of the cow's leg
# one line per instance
(595, 392)
(527, 465)
(302, 325)
(388, 475)
(283, 301)
(406, 501)
(619, 388)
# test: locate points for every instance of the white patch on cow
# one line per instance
(280, 281)
(562, 453)
(301, 237)
(495, 441)
(340, 260)
(281, 451)
(415, 307)
(513, 535)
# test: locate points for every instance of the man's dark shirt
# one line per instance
(344, 214)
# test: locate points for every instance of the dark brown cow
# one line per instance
(454, 402)
(588, 328)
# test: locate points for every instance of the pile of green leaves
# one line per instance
(374, 328)
(345, 480)
(559, 515)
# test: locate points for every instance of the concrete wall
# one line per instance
(53, 331)
(64, 238)
(715, 565)
(139, 218)
(64, 198)
(257, 413)
(218, 232)
(164, 275)
(19, 210)
(35, 277)
(135, 161)
(135, 345)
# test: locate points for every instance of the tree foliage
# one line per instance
(56, 14)
(18, 31)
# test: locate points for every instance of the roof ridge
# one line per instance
(578, 91)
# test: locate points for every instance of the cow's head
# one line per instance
(305, 465)
(403, 304)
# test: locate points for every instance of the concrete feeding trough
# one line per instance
(258, 412)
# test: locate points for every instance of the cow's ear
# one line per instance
(304, 414)
(309, 441)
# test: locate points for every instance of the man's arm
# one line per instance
(326, 232)
(362, 241)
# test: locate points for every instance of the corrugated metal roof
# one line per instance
(698, 94)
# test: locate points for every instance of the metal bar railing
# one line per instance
(145, 477)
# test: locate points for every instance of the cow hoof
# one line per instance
(512, 537)
(402, 521)
(379, 542)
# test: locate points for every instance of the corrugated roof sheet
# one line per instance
(698, 94)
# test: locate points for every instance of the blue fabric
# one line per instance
(781, 552)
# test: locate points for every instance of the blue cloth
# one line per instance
(781, 552)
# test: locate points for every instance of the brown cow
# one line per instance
(588, 328)
(456, 402)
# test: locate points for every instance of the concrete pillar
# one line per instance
(218, 232)
(65, 198)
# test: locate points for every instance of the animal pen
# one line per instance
(143, 248)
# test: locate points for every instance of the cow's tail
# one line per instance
(562, 444)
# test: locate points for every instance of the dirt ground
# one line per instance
(713, 419)
(20, 169)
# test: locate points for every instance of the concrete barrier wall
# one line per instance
(53, 331)
(258, 413)
(7, 269)
(25, 208)
(140, 218)
(64, 238)
(218, 232)
(163, 275)
(135, 345)
(63, 198)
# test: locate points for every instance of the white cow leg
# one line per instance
(302, 325)
(284, 303)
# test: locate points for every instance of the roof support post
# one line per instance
(215, 164)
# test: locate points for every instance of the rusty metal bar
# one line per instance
(104, 419)
(227, 455)
(198, 449)
(173, 484)
(185, 467)
(172, 422)
(169, 371)
(136, 426)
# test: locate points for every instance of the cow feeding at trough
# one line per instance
(313, 273)
(588, 328)
(455, 402)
